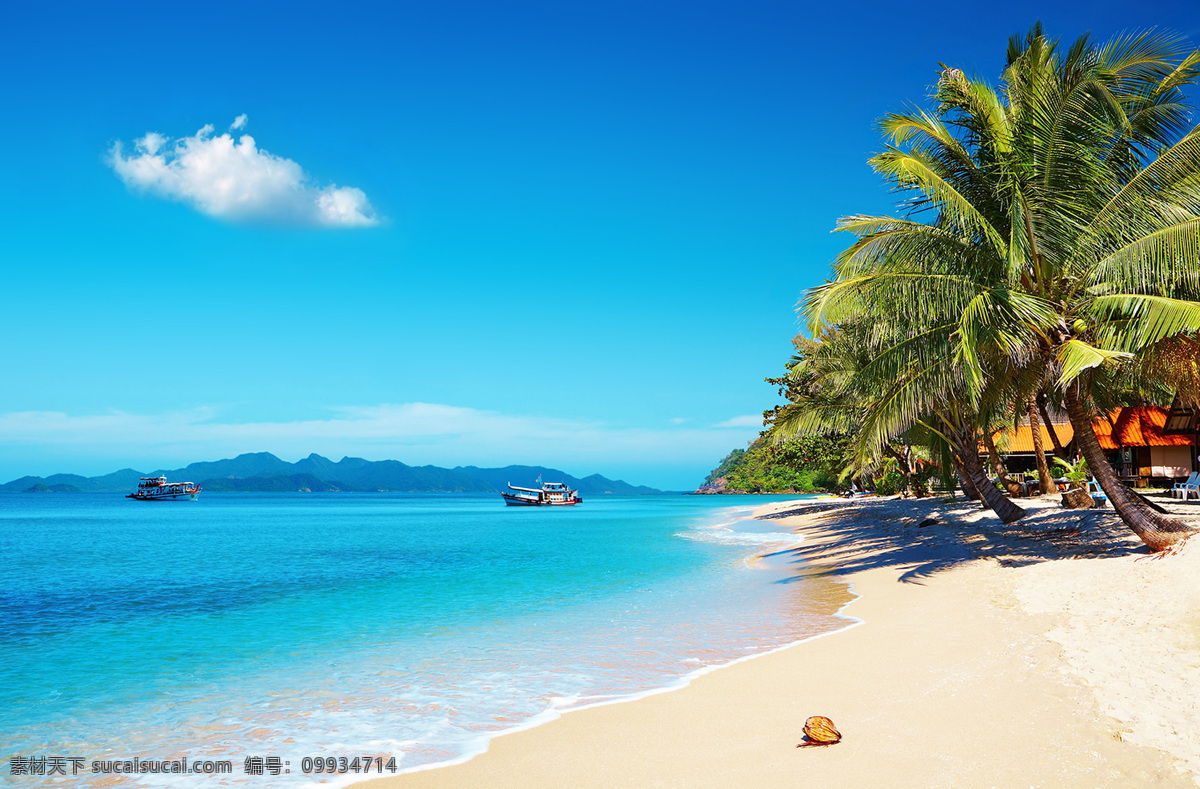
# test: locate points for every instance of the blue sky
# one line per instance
(481, 233)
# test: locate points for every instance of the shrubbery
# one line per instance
(809, 463)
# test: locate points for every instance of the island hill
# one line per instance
(807, 464)
(262, 472)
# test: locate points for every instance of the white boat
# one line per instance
(158, 489)
(548, 495)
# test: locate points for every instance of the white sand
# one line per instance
(1130, 627)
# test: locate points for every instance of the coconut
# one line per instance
(819, 730)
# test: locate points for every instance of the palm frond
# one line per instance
(1143, 319)
(1076, 356)
(912, 171)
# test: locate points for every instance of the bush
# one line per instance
(809, 463)
(891, 482)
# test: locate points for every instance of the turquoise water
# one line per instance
(344, 624)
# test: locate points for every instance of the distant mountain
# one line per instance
(292, 483)
(498, 479)
(251, 464)
(263, 472)
(393, 475)
(43, 488)
(125, 479)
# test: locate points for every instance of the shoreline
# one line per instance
(557, 713)
(733, 513)
(964, 672)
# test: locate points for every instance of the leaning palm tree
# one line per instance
(820, 389)
(1066, 232)
(870, 375)
(1102, 187)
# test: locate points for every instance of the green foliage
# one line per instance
(731, 461)
(1048, 244)
(808, 463)
(1077, 472)
(891, 482)
(1051, 232)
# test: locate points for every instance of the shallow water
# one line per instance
(365, 624)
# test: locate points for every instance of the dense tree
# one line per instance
(806, 464)
(1051, 235)
(874, 375)
(1065, 241)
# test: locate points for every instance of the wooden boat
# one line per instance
(550, 494)
(158, 489)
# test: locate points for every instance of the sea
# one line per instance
(271, 631)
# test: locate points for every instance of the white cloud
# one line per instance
(415, 433)
(235, 180)
(239, 122)
(750, 420)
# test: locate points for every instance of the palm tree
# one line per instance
(1065, 239)
(1045, 480)
(868, 374)
(1103, 221)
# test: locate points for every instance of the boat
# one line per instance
(550, 494)
(158, 489)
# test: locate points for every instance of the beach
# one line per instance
(1052, 652)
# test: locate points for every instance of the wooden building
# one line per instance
(1143, 442)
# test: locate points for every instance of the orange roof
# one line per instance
(1130, 427)
(1020, 441)
(1143, 427)
(1103, 429)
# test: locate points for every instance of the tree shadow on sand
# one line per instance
(874, 533)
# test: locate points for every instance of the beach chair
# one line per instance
(1191, 488)
(1177, 490)
(1097, 493)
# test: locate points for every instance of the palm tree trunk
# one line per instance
(1058, 447)
(1045, 481)
(968, 453)
(998, 466)
(1157, 531)
(967, 485)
